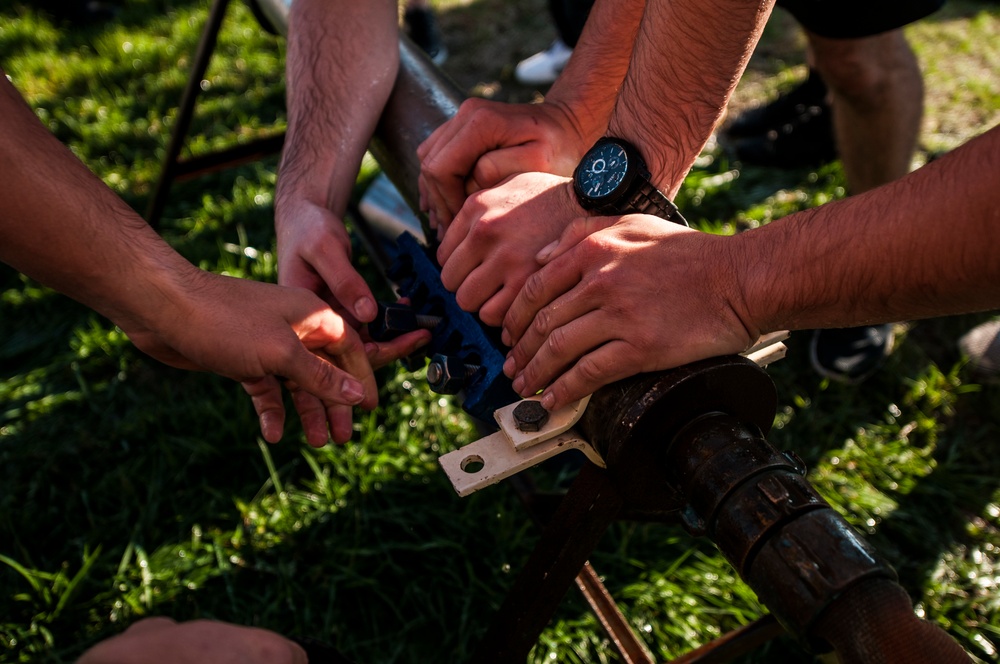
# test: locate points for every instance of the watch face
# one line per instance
(602, 170)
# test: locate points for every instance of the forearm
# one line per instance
(341, 64)
(62, 226)
(589, 85)
(688, 57)
(923, 246)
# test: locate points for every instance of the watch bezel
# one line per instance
(635, 166)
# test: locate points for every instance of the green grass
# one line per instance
(129, 489)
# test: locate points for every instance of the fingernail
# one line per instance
(270, 427)
(548, 400)
(371, 348)
(509, 367)
(505, 337)
(518, 383)
(365, 309)
(352, 391)
(546, 250)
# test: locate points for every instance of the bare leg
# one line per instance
(877, 97)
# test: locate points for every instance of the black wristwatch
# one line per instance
(612, 179)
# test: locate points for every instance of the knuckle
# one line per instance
(558, 342)
(591, 370)
(534, 288)
(540, 325)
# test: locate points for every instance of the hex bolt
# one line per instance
(393, 320)
(448, 375)
(530, 415)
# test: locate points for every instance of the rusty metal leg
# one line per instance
(734, 644)
(590, 506)
(185, 111)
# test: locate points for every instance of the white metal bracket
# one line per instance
(510, 450)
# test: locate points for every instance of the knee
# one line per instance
(865, 71)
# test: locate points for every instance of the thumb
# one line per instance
(576, 231)
(497, 165)
(324, 380)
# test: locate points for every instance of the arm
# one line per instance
(688, 58)
(615, 299)
(60, 225)
(341, 65)
(487, 141)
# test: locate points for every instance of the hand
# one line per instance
(489, 250)
(488, 141)
(314, 252)
(253, 332)
(618, 296)
(168, 642)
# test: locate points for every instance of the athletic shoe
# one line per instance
(793, 131)
(422, 28)
(850, 355)
(544, 67)
(981, 345)
(780, 111)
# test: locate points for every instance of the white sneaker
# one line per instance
(543, 68)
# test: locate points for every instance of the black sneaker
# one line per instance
(850, 355)
(783, 109)
(793, 131)
(422, 28)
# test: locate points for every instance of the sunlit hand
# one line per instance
(314, 252)
(488, 141)
(489, 250)
(254, 332)
(165, 641)
(617, 299)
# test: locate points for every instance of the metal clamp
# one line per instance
(516, 447)
(510, 450)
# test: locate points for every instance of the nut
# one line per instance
(530, 415)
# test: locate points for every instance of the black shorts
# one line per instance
(857, 18)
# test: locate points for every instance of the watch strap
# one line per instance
(647, 199)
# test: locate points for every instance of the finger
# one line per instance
(539, 290)
(312, 414)
(341, 423)
(574, 232)
(456, 234)
(383, 353)
(478, 286)
(496, 166)
(346, 285)
(541, 360)
(492, 312)
(473, 132)
(265, 394)
(600, 367)
(341, 372)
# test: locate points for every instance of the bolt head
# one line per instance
(530, 415)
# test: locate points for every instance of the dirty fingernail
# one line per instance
(352, 391)
(546, 251)
(365, 309)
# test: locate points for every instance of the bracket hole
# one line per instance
(472, 464)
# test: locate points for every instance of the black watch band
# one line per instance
(647, 199)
